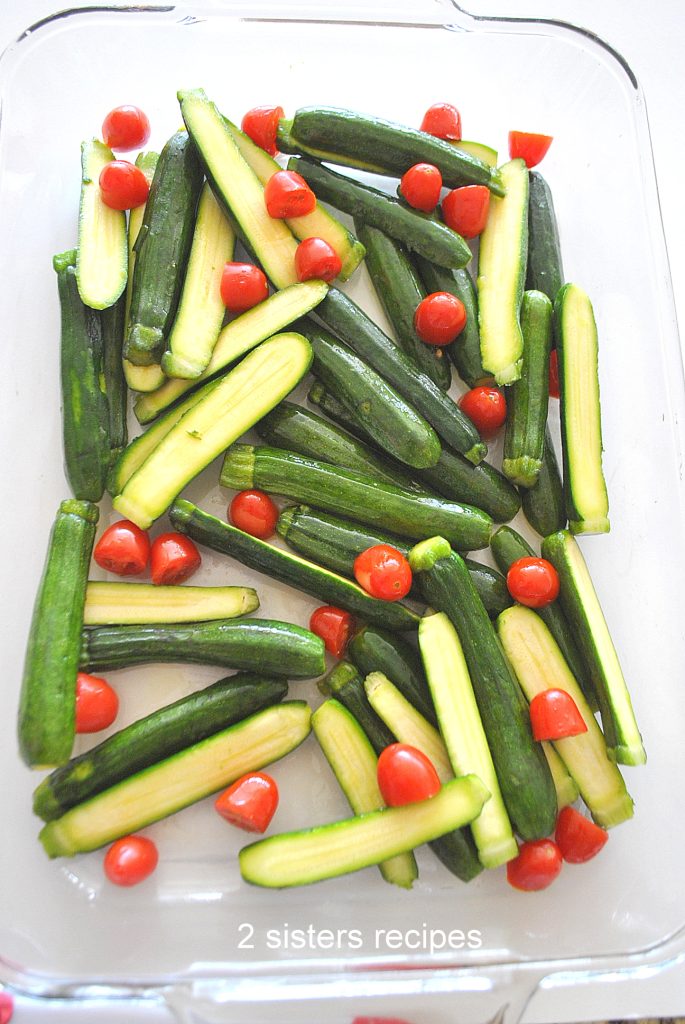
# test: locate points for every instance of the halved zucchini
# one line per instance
(129, 603)
(102, 260)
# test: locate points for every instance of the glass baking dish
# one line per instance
(194, 933)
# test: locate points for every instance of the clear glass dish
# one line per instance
(195, 931)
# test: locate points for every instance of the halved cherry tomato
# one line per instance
(383, 572)
(465, 209)
(533, 582)
(537, 865)
(554, 715)
(97, 704)
(554, 374)
(578, 838)
(421, 186)
(123, 549)
(123, 186)
(334, 626)
(406, 775)
(439, 318)
(6, 1007)
(529, 146)
(243, 285)
(173, 559)
(250, 803)
(130, 860)
(314, 257)
(255, 513)
(287, 194)
(486, 407)
(125, 127)
(442, 120)
(261, 124)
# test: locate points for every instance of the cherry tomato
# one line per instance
(6, 1007)
(250, 803)
(123, 549)
(554, 374)
(442, 120)
(439, 318)
(486, 407)
(578, 838)
(529, 146)
(533, 582)
(421, 186)
(287, 194)
(255, 513)
(261, 124)
(125, 127)
(243, 285)
(173, 559)
(406, 775)
(97, 704)
(314, 257)
(465, 210)
(554, 715)
(537, 865)
(123, 185)
(383, 572)
(334, 626)
(130, 860)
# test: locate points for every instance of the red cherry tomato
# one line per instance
(243, 285)
(383, 572)
(255, 513)
(261, 124)
(465, 210)
(334, 626)
(554, 374)
(533, 582)
(125, 127)
(130, 860)
(537, 865)
(287, 194)
(314, 257)
(97, 704)
(406, 775)
(173, 559)
(486, 407)
(6, 1007)
(250, 803)
(123, 185)
(578, 838)
(554, 715)
(123, 549)
(529, 146)
(442, 120)
(439, 318)
(421, 186)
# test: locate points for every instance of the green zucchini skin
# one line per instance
(113, 320)
(264, 645)
(545, 269)
(376, 650)
(286, 568)
(347, 686)
(47, 704)
(155, 737)
(162, 249)
(342, 316)
(85, 412)
(491, 587)
(543, 505)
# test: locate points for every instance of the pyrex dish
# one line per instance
(217, 946)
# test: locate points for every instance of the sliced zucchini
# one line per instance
(376, 650)
(139, 378)
(486, 154)
(564, 783)
(347, 686)
(109, 604)
(102, 260)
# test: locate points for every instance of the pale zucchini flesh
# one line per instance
(567, 790)
(102, 260)
(130, 603)
(406, 723)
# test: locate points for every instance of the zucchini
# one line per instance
(264, 645)
(222, 414)
(528, 397)
(545, 269)
(345, 684)
(491, 587)
(501, 275)
(300, 858)
(524, 777)
(119, 604)
(151, 739)
(162, 247)
(486, 154)
(564, 783)
(585, 492)
(113, 322)
(539, 665)
(354, 764)
(287, 568)
(582, 609)
(375, 650)
(543, 505)
(47, 703)
(201, 310)
(178, 781)
(102, 259)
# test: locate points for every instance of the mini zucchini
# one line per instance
(347, 686)
(102, 260)
(543, 504)
(111, 604)
(113, 321)
(564, 783)
(545, 269)
(375, 650)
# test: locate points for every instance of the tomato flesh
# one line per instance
(533, 582)
(261, 124)
(554, 374)
(123, 186)
(130, 860)
(126, 127)
(250, 803)
(466, 209)
(439, 318)
(315, 258)
(243, 285)
(554, 715)
(255, 513)
(406, 775)
(443, 121)
(421, 186)
(287, 194)
(334, 626)
(123, 549)
(529, 146)
(578, 838)
(486, 407)
(537, 865)
(97, 704)
(383, 572)
(173, 559)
